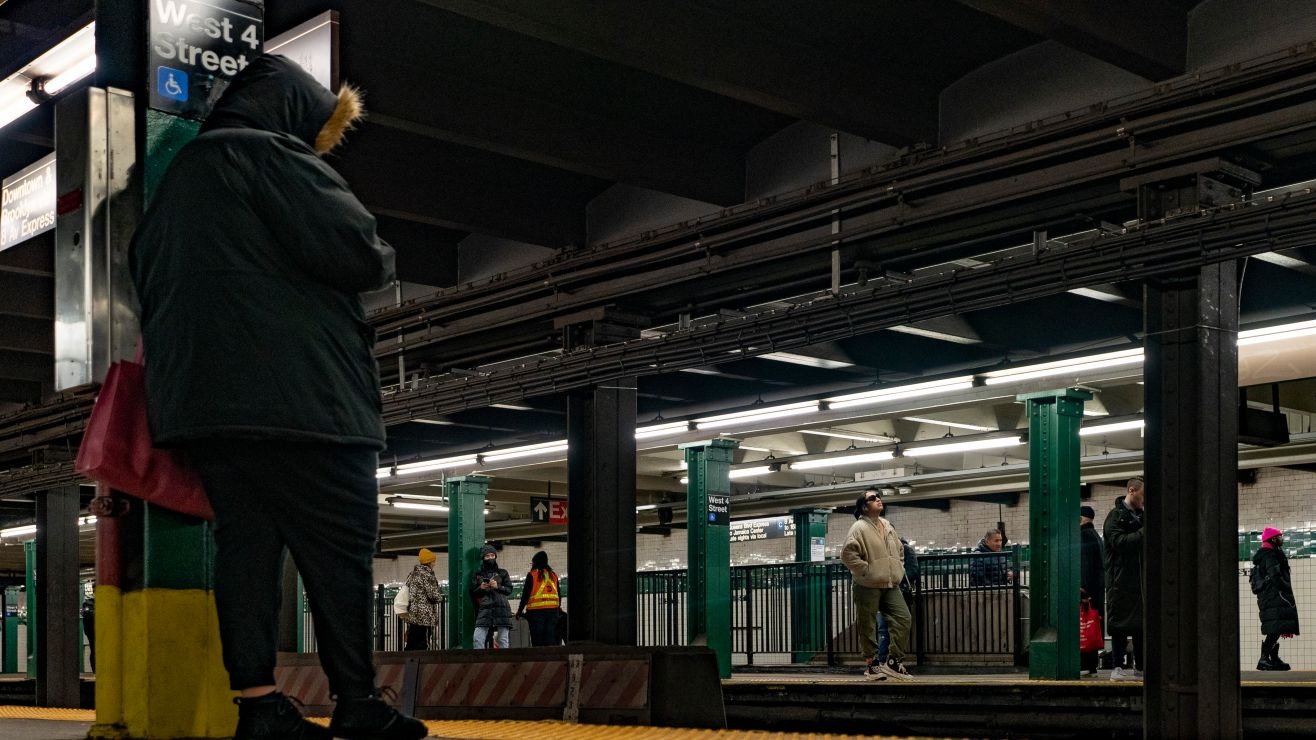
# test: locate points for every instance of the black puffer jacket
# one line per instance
(1092, 575)
(492, 607)
(1123, 534)
(249, 264)
(1279, 610)
(992, 569)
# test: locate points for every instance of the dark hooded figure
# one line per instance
(1272, 583)
(249, 265)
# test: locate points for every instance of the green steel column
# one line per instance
(11, 645)
(466, 496)
(1053, 452)
(809, 591)
(30, 558)
(708, 514)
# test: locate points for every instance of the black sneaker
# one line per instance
(274, 717)
(895, 669)
(370, 718)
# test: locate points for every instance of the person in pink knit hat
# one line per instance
(1273, 587)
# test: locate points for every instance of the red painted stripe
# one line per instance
(490, 682)
(636, 693)
(551, 689)
(591, 676)
(529, 680)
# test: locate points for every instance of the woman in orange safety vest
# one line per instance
(540, 601)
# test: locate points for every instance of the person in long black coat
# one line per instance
(1092, 576)
(1123, 535)
(249, 265)
(1273, 586)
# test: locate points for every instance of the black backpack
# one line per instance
(1256, 580)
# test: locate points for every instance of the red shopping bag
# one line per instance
(116, 447)
(1089, 629)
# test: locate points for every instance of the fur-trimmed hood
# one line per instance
(275, 94)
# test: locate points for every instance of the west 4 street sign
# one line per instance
(195, 47)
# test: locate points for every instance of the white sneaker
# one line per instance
(1119, 675)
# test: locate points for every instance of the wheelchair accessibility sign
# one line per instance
(171, 83)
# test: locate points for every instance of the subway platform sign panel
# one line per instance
(196, 46)
(28, 198)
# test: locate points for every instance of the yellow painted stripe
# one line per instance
(503, 729)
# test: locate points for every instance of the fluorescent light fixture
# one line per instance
(913, 390)
(646, 507)
(18, 531)
(749, 472)
(1099, 295)
(62, 65)
(950, 424)
(876, 438)
(700, 371)
(662, 430)
(843, 460)
(510, 407)
(80, 69)
(806, 360)
(967, 446)
(436, 422)
(419, 498)
(511, 453)
(1064, 367)
(930, 334)
(442, 463)
(1118, 426)
(419, 506)
(757, 415)
(1276, 258)
(1277, 333)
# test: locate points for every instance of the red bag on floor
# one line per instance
(1089, 629)
(116, 447)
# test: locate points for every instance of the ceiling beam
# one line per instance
(1146, 37)
(752, 65)
(410, 176)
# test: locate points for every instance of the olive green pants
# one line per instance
(868, 602)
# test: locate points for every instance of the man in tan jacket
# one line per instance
(875, 557)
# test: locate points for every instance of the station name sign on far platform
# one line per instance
(27, 202)
(195, 47)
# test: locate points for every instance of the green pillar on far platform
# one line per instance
(466, 495)
(708, 517)
(809, 590)
(1054, 418)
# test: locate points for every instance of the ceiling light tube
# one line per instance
(443, 463)
(544, 448)
(419, 506)
(1064, 367)
(843, 460)
(1277, 333)
(949, 424)
(878, 439)
(749, 472)
(662, 430)
(18, 531)
(80, 69)
(1116, 427)
(756, 415)
(967, 446)
(806, 360)
(913, 390)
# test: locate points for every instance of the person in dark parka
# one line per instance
(1273, 585)
(1123, 537)
(1092, 576)
(249, 265)
(490, 586)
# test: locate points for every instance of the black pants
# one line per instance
(543, 627)
(418, 637)
(1118, 643)
(1269, 644)
(318, 502)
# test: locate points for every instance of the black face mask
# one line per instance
(490, 564)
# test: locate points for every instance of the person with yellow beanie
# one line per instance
(421, 616)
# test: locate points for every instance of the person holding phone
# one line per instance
(490, 587)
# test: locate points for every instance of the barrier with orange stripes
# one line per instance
(675, 687)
